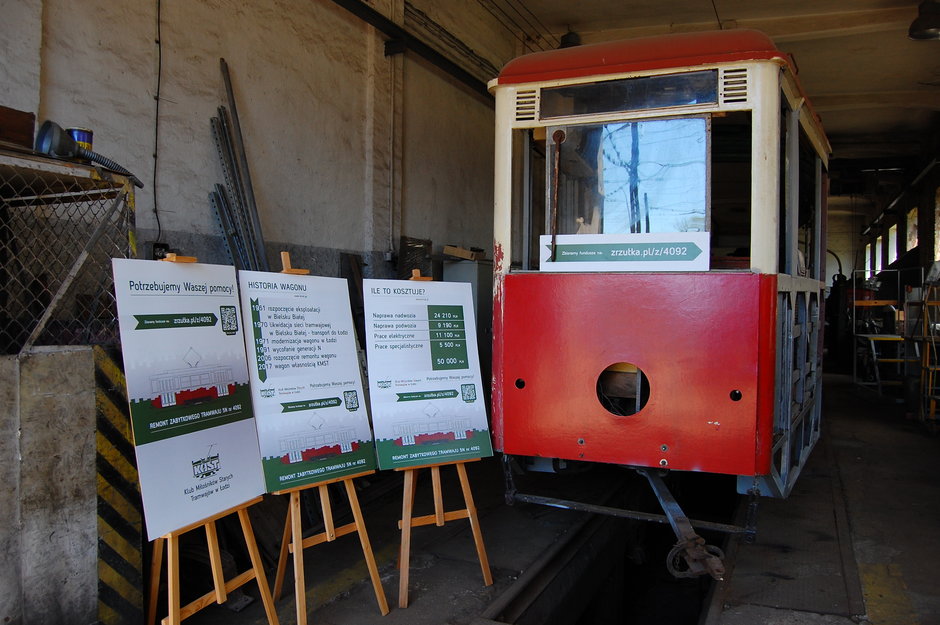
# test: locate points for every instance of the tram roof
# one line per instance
(641, 54)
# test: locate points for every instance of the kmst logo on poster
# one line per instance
(207, 466)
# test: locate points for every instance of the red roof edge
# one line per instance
(644, 53)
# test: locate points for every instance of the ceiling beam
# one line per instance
(927, 100)
(780, 29)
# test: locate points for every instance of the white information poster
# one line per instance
(187, 385)
(424, 373)
(654, 251)
(305, 379)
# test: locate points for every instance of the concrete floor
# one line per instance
(856, 541)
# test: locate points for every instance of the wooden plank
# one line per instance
(282, 557)
(861, 303)
(405, 552)
(300, 589)
(438, 497)
(323, 537)
(329, 529)
(156, 567)
(432, 519)
(215, 561)
(474, 524)
(257, 567)
(173, 580)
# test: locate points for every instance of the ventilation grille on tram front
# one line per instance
(527, 104)
(733, 86)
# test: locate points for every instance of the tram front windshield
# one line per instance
(628, 177)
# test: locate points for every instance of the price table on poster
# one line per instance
(448, 338)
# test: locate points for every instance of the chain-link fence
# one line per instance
(60, 225)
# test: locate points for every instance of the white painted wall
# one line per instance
(20, 43)
(348, 149)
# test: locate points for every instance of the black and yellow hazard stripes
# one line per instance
(120, 531)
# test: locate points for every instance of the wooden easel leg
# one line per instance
(366, 546)
(329, 528)
(282, 557)
(215, 561)
(156, 567)
(258, 566)
(173, 579)
(403, 558)
(474, 524)
(297, 543)
(438, 496)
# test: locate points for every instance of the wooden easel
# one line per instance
(293, 532)
(439, 517)
(286, 266)
(293, 536)
(173, 257)
(222, 586)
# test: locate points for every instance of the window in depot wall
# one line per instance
(878, 254)
(911, 230)
(868, 260)
(892, 243)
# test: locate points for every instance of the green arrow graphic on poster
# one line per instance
(311, 404)
(419, 395)
(258, 340)
(625, 252)
(175, 320)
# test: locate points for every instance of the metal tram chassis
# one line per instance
(699, 557)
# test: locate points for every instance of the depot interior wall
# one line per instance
(443, 123)
(319, 105)
(20, 40)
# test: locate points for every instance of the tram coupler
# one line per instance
(700, 558)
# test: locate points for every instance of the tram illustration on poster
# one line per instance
(306, 381)
(187, 386)
(424, 373)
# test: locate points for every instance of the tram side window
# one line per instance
(800, 186)
(808, 206)
(731, 191)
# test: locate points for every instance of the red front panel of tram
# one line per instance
(705, 342)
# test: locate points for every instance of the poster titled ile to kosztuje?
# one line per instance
(187, 385)
(424, 373)
(305, 379)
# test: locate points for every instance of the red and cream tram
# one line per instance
(660, 212)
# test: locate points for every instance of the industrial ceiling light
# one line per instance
(927, 24)
(53, 141)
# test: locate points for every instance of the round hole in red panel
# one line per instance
(623, 389)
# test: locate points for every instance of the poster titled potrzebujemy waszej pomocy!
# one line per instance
(305, 378)
(424, 373)
(187, 385)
